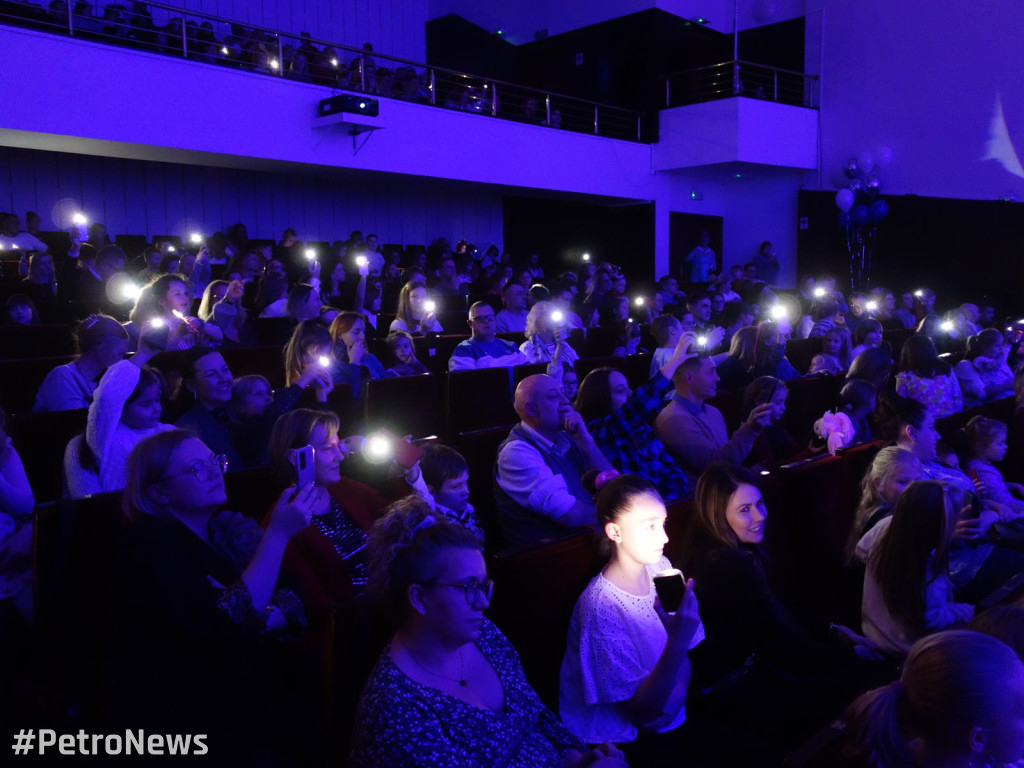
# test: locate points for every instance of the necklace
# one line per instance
(461, 679)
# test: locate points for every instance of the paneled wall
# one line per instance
(151, 198)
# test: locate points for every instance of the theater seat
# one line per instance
(40, 439)
(20, 381)
(36, 341)
(800, 352)
(478, 399)
(407, 405)
(536, 588)
(480, 448)
(808, 401)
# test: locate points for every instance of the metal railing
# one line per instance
(214, 40)
(741, 78)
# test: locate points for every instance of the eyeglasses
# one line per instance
(476, 591)
(215, 466)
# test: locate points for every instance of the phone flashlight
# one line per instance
(871, 306)
(946, 325)
(557, 316)
(325, 361)
(171, 249)
(919, 293)
(334, 62)
(378, 448)
(224, 50)
(586, 257)
(130, 290)
(311, 254)
(429, 306)
(779, 312)
(196, 238)
(361, 261)
(156, 322)
(639, 301)
(79, 219)
(702, 341)
(818, 292)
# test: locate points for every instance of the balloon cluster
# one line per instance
(858, 201)
(860, 208)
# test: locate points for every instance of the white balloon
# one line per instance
(844, 200)
(866, 161)
(883, 157)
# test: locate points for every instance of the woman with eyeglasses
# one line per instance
(449, 691)
(202, 624)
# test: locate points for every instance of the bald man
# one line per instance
(538, 485)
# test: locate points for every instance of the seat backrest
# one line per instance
(478, 399)
(265, 361)
(20, 381)
(808, 401)
(480, 449)
(800, 352)
(536, 588)
(36, 341)
(40, 439)
(406, 405)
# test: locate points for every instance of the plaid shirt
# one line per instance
(629, 443)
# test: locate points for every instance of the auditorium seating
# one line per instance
(20, 380)
(40, 439)
(408, 405)
(478, 399)
(536, 587)
(799, 352)
(36, 341)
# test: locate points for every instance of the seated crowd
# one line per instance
(662, 428)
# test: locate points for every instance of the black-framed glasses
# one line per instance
(475, 591)
(212, 467)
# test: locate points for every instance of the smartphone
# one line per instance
(405, 454)
(302, 462)
(670, 588)
(976, 503)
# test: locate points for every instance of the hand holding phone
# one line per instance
(670, 588)
(302, 461)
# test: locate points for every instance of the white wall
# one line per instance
(150, 198)
(762, 209)
(923, 80)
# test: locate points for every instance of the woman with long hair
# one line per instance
(891, 471)
(957, 703)
(166, 300)
(907, 590)
(353, 363)
(415, 314)
(757, 657)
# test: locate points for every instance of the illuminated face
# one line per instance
(212, 380)
(703, 380)
(701, 310)
(482, 323)
(548, 406)
(778, 402)
(746, 514)
(257, 401)
(20, 314)
(995, 450)
(176, 298)
(639, 530)
(417, 298)
(831, 344)
(328, 453)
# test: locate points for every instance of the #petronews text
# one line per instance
(132, 743)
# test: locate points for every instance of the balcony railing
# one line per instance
(741, 78)
(201, 37)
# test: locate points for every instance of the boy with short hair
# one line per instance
(446, 474)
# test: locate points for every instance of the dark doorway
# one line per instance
(684, 236)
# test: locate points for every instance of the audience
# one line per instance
(694, 432)
(352, 362)
(512, 318)
(126, 408)
(198, 589)
(957, 703)
(907, 589)
(626, 668)
(802, 680)
(926, 378)
(868, 333)
(983, 374)
(620, 422)
(403, 360)
(891, 471)
(449, 685)
(446, 475)
(166, 301)
(540, 466)
(16, 529)
(416, 312)
(546, 337)
(484, 349)
(101, 342)
(986, 446)
(774, 446)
